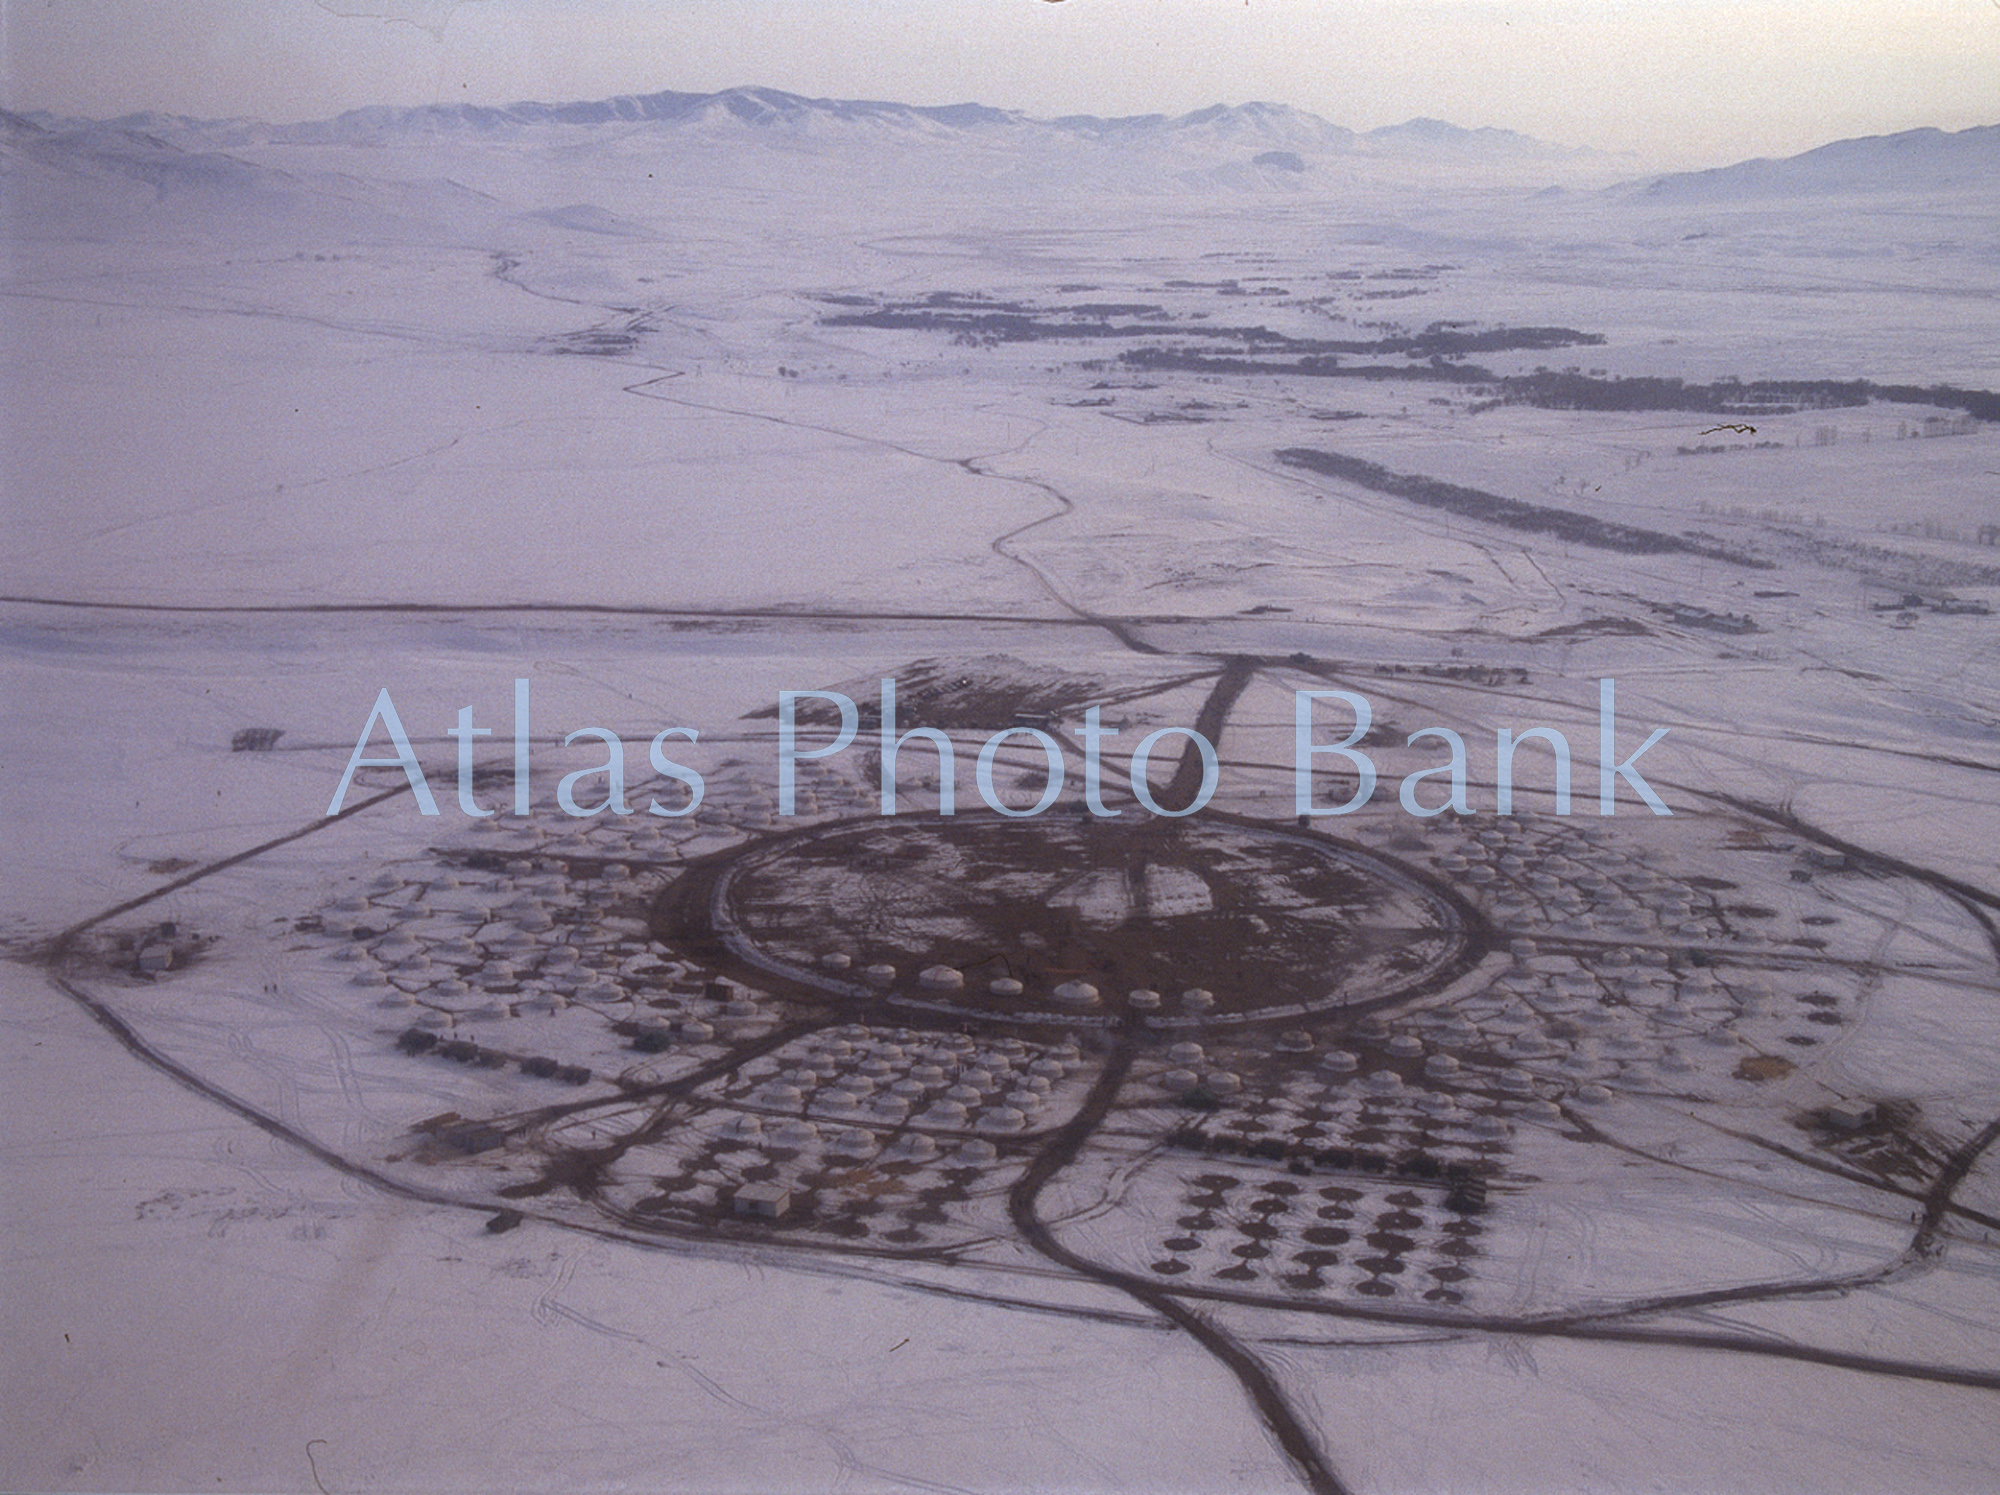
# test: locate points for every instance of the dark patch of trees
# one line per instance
(1435, 353)
(1548, 390)
(1491, 508)
(975, 319)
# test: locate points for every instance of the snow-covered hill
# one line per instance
(1436, 138)
(88, 181)
(1925, 160)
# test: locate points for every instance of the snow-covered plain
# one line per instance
(1669, 1165)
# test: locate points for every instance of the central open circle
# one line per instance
(1167, 924)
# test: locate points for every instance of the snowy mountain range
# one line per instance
(770, 111)
(145, 160)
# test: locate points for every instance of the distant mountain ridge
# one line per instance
(1924, 160)
(1259, 125)
(1250, 147)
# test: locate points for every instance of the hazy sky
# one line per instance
(1699, 79)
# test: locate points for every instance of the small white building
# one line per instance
(762, 1201)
